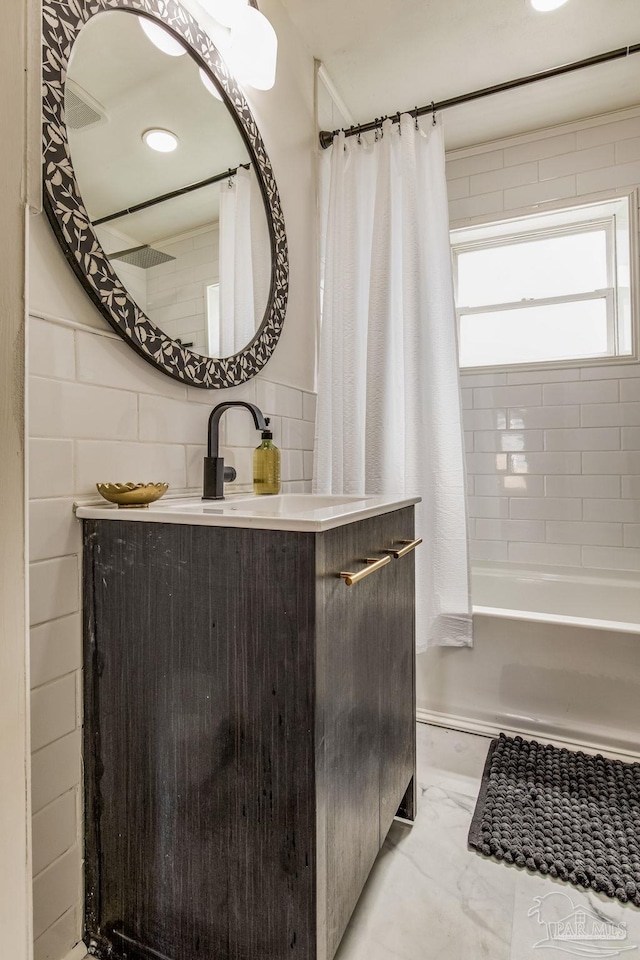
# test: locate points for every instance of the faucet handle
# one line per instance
(215, 476)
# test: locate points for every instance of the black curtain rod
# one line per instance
(174, 193)
(326, 136)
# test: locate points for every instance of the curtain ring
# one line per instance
(359, 137)
(433, 111)
(398, 122)
(230, 180)
(415, 116)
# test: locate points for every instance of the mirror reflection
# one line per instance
(168, 183)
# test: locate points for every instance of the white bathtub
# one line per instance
(602, 600)
(556, 655)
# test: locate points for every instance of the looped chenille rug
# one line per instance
(561, 813)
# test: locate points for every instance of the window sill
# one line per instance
(552, 365)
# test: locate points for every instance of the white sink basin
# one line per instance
(288, 511)
(284, 504)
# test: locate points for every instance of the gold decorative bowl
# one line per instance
(128, 495)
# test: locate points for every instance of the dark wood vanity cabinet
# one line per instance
(249, 734)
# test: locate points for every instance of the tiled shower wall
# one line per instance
(553, 455)
(554, 466)
(176, 290)
(98, 412)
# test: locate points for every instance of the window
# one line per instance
(548, 288)
(213, 319)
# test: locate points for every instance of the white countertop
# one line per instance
(302, 512)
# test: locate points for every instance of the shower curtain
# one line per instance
(389, 412)
(237, 300)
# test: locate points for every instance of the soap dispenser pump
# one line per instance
(266, 465)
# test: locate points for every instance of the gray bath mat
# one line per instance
(565, 814)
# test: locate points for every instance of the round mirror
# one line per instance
(161, 191)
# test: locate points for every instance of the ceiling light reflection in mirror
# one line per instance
(161, 38)
(189, 242)
(163, 141)
(209, 84)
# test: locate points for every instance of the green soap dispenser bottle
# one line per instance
(266, 465)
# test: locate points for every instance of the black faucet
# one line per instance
(215, 472)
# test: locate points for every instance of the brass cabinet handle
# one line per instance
(409, 545)
(372, 566)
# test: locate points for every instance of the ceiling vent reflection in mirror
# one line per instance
(81, 110)
(153, 236)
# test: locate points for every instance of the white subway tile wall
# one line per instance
(567, 467)
(176, 290)
(553, 456)
(97, 412)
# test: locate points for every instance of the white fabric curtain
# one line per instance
(237, 306)
(389, 412)
(260, 252)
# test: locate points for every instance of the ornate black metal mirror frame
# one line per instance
(62, 21)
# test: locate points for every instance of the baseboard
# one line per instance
(520, 728)
(79, 952)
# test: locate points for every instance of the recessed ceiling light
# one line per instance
(161, 38)
(209, 84)
(545, 5)
(161, 140)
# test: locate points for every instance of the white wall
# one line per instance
(15, 900)
(99, 412)
(553, 456)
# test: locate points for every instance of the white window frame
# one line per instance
(507, 233)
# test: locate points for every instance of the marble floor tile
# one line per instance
(552, 919)
(451, 759)
(430, 898)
